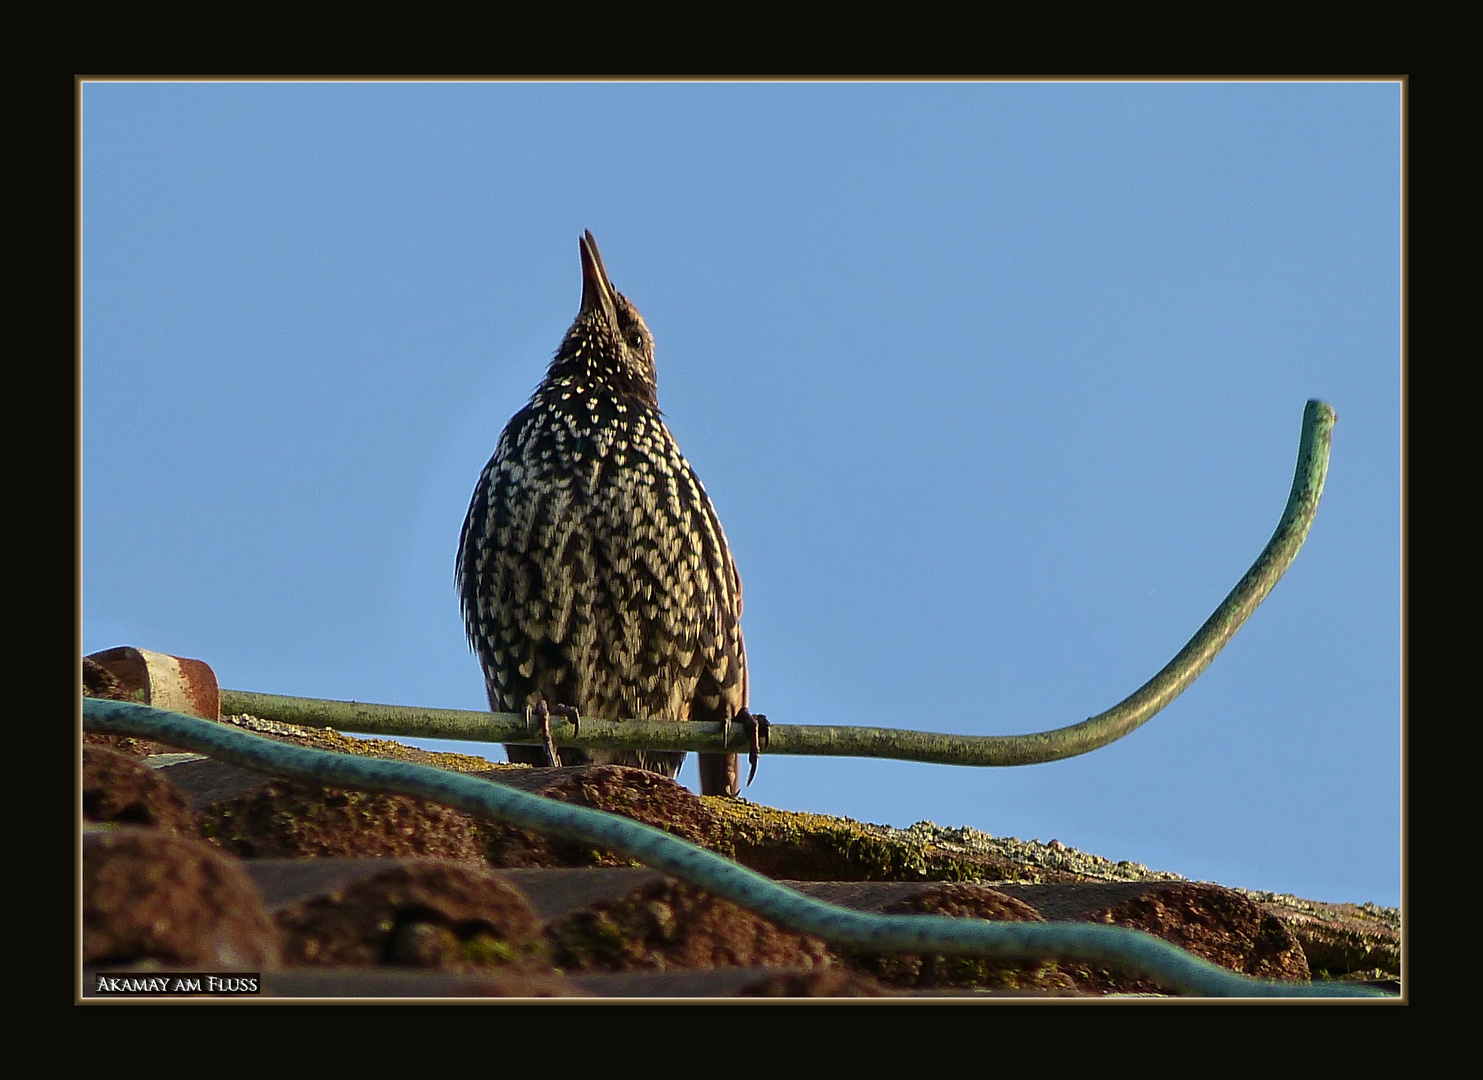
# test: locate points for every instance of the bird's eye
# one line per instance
(636, 339)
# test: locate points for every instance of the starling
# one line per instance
(593, 574)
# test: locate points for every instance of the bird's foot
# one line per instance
(757, 733)
(571, 713)
(543, 714)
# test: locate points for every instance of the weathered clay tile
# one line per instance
(430, 913)
(149, 894)
(119, 788)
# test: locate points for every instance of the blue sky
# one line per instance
(996, 388)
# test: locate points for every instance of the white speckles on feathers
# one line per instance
(592, 568)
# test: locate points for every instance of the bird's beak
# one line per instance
(597, 290)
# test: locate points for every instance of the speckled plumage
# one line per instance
(592, 568)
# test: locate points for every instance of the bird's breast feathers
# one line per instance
(592, 534)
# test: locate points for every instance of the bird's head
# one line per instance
(608, 341)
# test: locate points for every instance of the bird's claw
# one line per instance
(757, 737)
(571, 713)
(544, 713)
